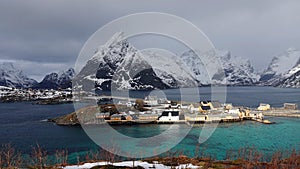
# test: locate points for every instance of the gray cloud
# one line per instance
(52, 32)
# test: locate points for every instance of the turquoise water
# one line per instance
(266, 138)
(228, 136)
(23, 125)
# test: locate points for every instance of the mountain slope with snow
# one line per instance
(170, 68)
(12, 77)
(118, 65)
(291, 78)
(224, 68)
(58, 80)
(280, 66)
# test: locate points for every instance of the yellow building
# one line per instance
(290, 106)
(228, 106)
(264, 107)
(205, 106)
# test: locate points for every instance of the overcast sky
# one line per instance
(46, 36)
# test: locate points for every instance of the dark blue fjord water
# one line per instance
(23, 125)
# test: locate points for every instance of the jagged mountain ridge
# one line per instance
(283, 70)
(13, 77)
(230, 70)
(290, 79)
(60, 80)
(119, 64)
(279, 67)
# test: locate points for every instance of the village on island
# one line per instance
(118, 110)
(151, 109)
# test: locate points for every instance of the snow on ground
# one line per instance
(145, 165)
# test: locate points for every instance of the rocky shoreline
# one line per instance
(66, 120)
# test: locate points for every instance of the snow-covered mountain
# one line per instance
(170, 68)
(118, 65)
(13, 77)
(280, 67)
(232, 70)
(58, 80)
(291, 78)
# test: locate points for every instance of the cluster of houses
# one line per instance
(165, 111)
(155, 110)
(286, 106)
(8, 94)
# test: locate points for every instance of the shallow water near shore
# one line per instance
(267, 139)
(23, 125)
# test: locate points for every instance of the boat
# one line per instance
(267, 122)
(264, 121)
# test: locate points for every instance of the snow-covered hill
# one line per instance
(58, 80)
(13, 77)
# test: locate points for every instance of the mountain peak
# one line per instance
(291, 49)
(70, 72)
(7, 65)
(55, 80)
(117, 37)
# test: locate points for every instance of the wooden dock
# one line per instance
(187, 122)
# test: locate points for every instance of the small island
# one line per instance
(153, 110)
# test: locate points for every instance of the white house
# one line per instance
(151, 101)
(169, 116)
(264, 107)
(233, 111)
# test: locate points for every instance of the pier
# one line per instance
(187, 122)
(201, 119)
(280, 112)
